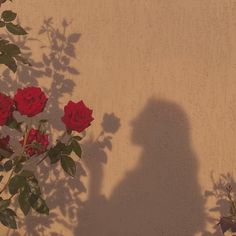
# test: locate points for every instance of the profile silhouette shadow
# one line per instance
(161, 195)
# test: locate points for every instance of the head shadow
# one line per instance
(161, 195)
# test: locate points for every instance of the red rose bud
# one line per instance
(77, 116)
(30, 101)
(36, 143)
(6, 108)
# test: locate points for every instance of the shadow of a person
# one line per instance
(161, 196)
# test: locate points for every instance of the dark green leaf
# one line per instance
(39, 205)
(12, 122)
(15, 29)
(4, 204)
(67, 150)
(4, 153)
(8, 15)
(54, 152)
(9, 62)
(7, 218)
(34, 187)
(18, 168)
(27, 173)
(76, 148)
(68, 165)
(2, 24)
(8, 165)
(23, 201)
(77, 138)
(10, 49)
(16, 183)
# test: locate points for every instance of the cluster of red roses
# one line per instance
(31, 101)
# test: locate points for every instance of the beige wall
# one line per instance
(167, 70)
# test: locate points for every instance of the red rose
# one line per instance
(77, 116)
(6, 108)
(30, 101)
(37, 142)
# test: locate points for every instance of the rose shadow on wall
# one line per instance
(161, 196)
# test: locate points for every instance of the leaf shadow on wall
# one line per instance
(161, 195)
(53, 68)
(63, 193)
(218, 193)
(50, 72)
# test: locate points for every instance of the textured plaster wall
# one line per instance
(167, 70)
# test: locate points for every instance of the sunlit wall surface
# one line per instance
(160, 76)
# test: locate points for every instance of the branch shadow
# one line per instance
(55, 69)
(62, 193)
(219, 194)
(161, 195)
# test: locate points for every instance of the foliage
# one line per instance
(18, 177)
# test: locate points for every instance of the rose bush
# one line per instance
(22, 183)
(19, 184)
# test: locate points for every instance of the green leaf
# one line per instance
(10, 49)
(4, 153)
(4, 204)
(67, 150)
(7, 218)
(23, 201)
(18, 168)
(2, 24)
(16, 183)
(8, 15)
(8, 165)
(27, 173)
(33, 186)
(9, 62)
(38, 204)
(15, 29)
(54, 152)
(76, 148)
(13, 123)
(68, 165)
(77, 138)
